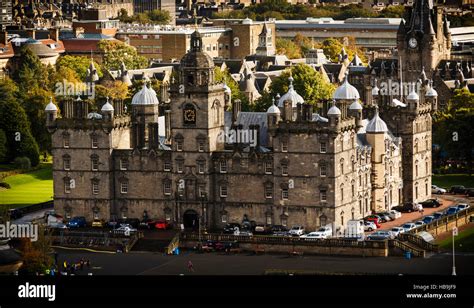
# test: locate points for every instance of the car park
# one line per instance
(431, 203)
(409, 226)
(419, 223)
(437, 190)
(77, 222)
(369, 226)
(457, 189)
(380, 236)
(394, 214)
(452, 210)
(396, 231)
(296, 230)
(428, 219)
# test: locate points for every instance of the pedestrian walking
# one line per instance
(190, 266)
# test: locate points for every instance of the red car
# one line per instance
(162, 225)
(375, 220)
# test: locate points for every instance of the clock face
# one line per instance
(189, 115)
(412, 43)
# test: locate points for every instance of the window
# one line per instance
(269, 220)
(223, 191)
(284, 221)
(268, 191)
(66, 139)
(179, 166)
(416, 169)
(342, 192)
(224, 218)
(124, 187)
(179, 145)
(342, 219)
(67, 162)
(167, 188)
(284, 146)
(95, 141)
(353, 190)
(95, 163)
(268, 167)
(201, 146)
(123, 164)
(202, 190)
(323, 170)
(322, 147)
(95, 187)
(284, 194)
(223, 166)
(426, 189)
(67, 185)
(284, 169)
(201, 167)
(342, 166)
(323, 195)
(167, 165)
(360, 206)
(427, 168)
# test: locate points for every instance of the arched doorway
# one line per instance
(191, 220)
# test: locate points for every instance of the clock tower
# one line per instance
(423, 40)
(197, 120)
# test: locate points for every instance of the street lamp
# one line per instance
(455, 233)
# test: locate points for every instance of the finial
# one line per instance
(273, 101)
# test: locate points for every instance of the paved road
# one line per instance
(31, 216)
(146, 263)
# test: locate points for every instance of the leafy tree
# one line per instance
(309, 83)
(34, 104)
(31, 73)
(115, 52)
(15, 124)
(3, 146)
(288, 48)
(36, 256)
(454, 128)
(78, 64)
(393, 11)
(112, 89)
(159, 17)
(224, 76)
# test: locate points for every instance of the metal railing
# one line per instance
(418, 241)
(405, 247)
(261, 239)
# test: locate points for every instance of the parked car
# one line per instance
(406, 207)
(452, 210)
(147, 223)
(57, 225)
(385, 216)
(162, 224)
(394, 214)
(438, 215)
(124, 229)
(376, 221)
(279, 230)
(262, 229)
(15, 214)
(323, 232)
(232, 227)
(375, 216)
(419, 223)
(380, 236)
(463, 206)
(431, 203)
(409, 226)
(249, 225)
(77, 222)
(437, 190)
(297, 230)
(470, 192)
(428, 219)
(457, 189)
(369, 226)
(396, 231)
(134, 222)
(98, 223)
(244, 232)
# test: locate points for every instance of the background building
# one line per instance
(142, 6)
(5, 13)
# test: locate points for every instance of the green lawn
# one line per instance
(28, 188)
(464, 242)
(448, 180)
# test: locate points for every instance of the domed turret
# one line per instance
(51, 112)
(107, 110)
(346, 91)
(146, 96)
(376, 124)
(291, 95)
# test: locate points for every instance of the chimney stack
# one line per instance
(3, 37)
(31, 33)
(54, 34)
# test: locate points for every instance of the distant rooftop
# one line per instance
(353, 23)
(156, 29)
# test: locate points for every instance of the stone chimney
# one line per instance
(3, 37)
(31, 33)
(54, 34)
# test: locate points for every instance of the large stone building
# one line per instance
(205, 161)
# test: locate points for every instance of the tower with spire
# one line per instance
(265, 43)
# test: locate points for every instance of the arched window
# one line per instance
(342, 192)
(342, 165)
(416, 168)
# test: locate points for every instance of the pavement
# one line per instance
(147, 263)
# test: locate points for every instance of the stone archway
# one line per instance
(191, 220)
